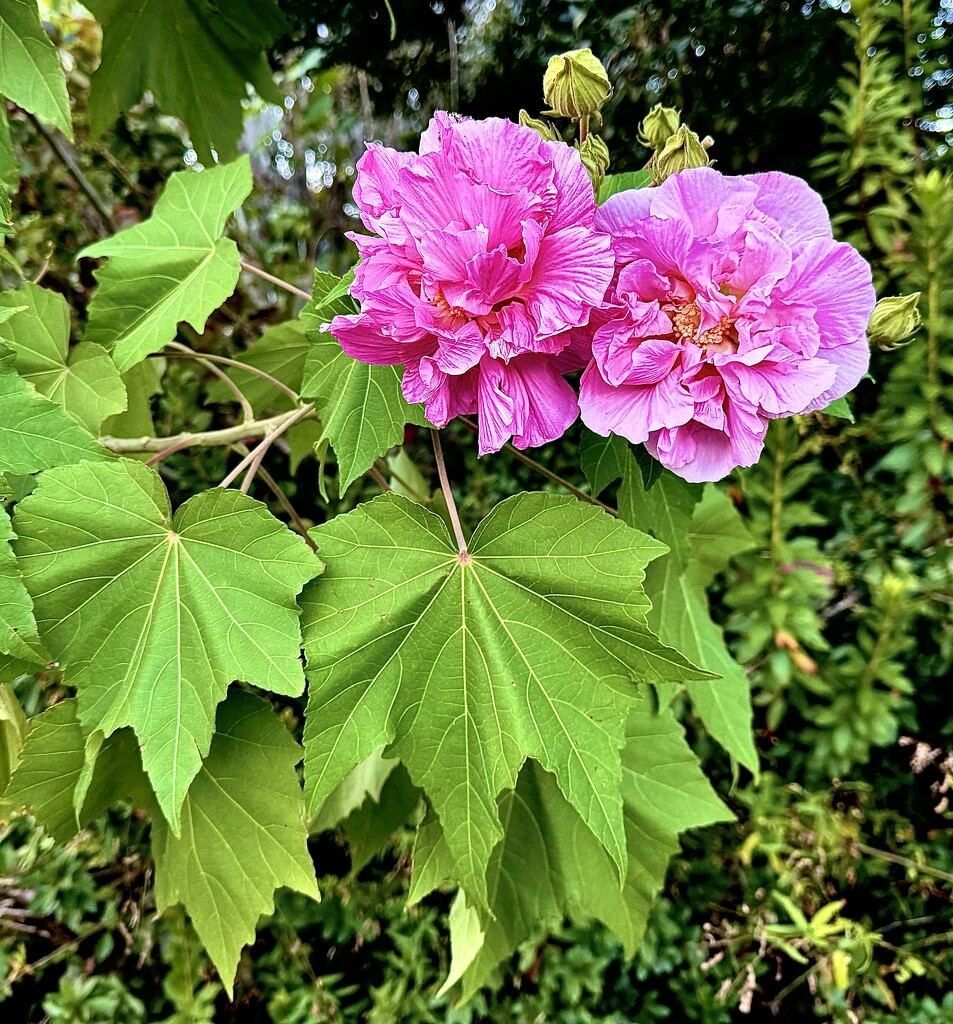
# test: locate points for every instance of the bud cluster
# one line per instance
(675, 146)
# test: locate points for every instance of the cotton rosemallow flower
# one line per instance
(486, 260)
(732, 305)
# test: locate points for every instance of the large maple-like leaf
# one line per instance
(174, 266)
(194, 56)
(243, 833)
(152, 616)
(30, 71)
(361, 407)
(703, 531)
(549, 866)
(466, 665)
(36, 433)
(83, 380)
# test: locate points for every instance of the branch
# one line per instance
(271, 279)
(204, 439)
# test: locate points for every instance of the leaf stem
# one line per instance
(282, 498)
(543, 471)
(271, 279)
(184, 352)
(253, 459)
(447, 493)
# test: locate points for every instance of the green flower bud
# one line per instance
(575, 85)
(543, 128)
(894, 319)
(659, 125)
(682, 151)
(595, 157)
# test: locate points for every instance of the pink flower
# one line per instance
(486, 261)
(732, 305)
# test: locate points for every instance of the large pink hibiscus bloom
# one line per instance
(732, 305)
(485, 261)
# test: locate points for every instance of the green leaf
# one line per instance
(466, 665)
(364, 781)
(18, 636)
(35, 433)
(369, 828)
(549, 866)
(13, 730)
(839, 408)
(279, 352)
(194, 56)
(243, 833)
(680, 615)
(362, 407)
(84, 380)
(613, 183)
(30, 72)
(50, 764)
(141, 382)
(150, 616)
(602, 459)
(718, 533)
(173, 267)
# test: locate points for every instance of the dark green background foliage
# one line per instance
(831, 897)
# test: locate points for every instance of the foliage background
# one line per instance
(841, 611)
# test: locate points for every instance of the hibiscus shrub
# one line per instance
(520, 689)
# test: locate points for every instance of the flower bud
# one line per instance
(682, 151)
(658, 126)
(575, 85)
(543, 128)
(894, 319)
(595, 156)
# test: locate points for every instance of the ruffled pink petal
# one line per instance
(571, 274)
(627, 356)
(836, 280)
(575, 201)
(699, 454)
(525, 399)
(793, 205)
(777, 387)
(850, 362)
(713, 204)
(621, 211)
(376, 190)
(632, 412)
(764, 260)
(461, 350)
(444, 395)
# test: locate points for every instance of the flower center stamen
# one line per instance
(686, 319)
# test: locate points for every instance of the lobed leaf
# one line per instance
(194, 56)
(549, 865)
(35, 433)
(171, 268)
(152, 616)
(463, 667)
(84, 381)
(30, 72)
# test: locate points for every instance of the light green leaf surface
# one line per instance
(280, 352)
(18, 636)
(13, 730)
(840, 408)
(173, 267)
(676, 585)
(613, 183)
(50, 764)
(194, 56)
(152, 616)
(243, 833)
(602, 459)
(84, 381)
(36, 433)
(549, 865)
(528, 647)
(30, 71)
(362, 407)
